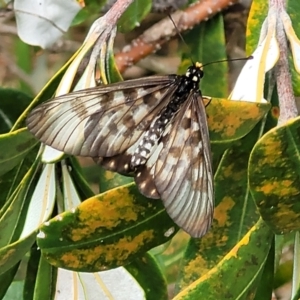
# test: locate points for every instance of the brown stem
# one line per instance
(287, 103)
(116, 11)
(152, 39)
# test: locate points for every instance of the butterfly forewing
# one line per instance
(102, 121)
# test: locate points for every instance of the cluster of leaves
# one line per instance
(116, 228)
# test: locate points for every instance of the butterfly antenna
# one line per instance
(212, 62)
(224, 60)
(180, 35)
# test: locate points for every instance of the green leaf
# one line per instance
(292, 8)
(14, 210)
(13, 102)
(111, 70)
(274, 176)
(14, 147)
(83, 188)
(6, 280)
(106, 231)
(146, 271)
(14, 291)
(134, 14)
(257, 15)
(13, 253)
(235, 276)
(45, 281)
(231, 120)
(12, 220)
(265, 284)
(208, 45)
(109, 180)
(10, 180)
(31, 273)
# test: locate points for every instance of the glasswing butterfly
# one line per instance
(153, 128)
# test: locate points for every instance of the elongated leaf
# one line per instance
(257, 15)
(274, 177)
(21, 215)
(266, 285)
(15, 290)
(231, 120)
(31, 273)
(106, 231)
(15, 208)
(41, 202)
(13, 253)
(234, 276)
(10, 180)
(146, 271)
(82, 186)
(6, 279)
(45, 281)
(14, 147)
(292, 10)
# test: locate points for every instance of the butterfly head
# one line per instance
(195, 73)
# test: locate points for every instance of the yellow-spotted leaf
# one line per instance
(231, 120)
(257, 15)
(292, 30)
(111, 284)
(109, 180)
(106, 231)
(235, 213)
(14, 252)
(274, 176)
(14, 147)
(236, 276)
(141, 279)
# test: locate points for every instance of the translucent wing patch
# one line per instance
(102, 121)
(180, 170)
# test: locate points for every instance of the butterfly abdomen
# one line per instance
(151, 137)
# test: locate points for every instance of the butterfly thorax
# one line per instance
(186, 84)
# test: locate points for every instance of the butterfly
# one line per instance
(153, 128)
